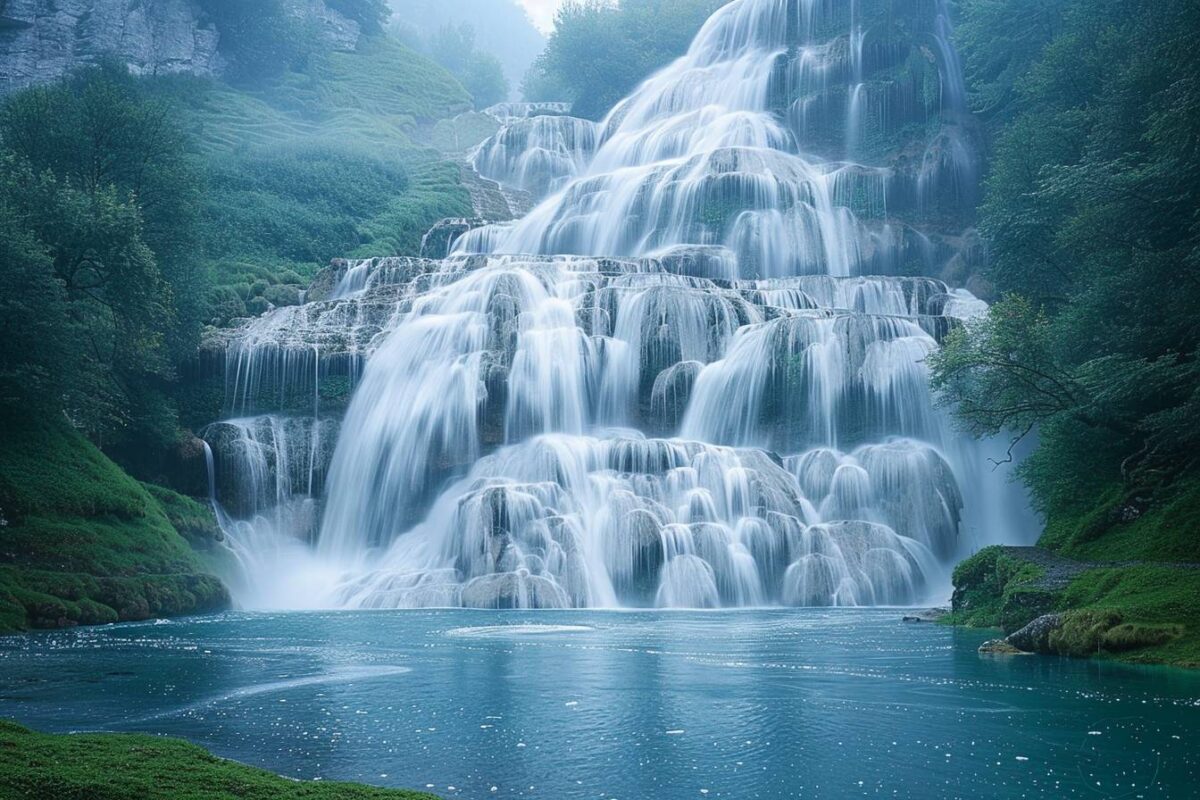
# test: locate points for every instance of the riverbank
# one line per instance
(1139, 612)
(35, 766)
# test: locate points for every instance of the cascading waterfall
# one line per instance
(693, 376)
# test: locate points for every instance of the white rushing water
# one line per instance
(693, 376)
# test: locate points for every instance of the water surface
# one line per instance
(628, 705)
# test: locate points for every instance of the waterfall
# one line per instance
(694, 375)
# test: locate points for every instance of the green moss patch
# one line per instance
(1117, 528)
(35, 766)
(83, 543)
(994, 589)
(1158, 608)
(1146, 613)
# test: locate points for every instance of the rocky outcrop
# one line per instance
(42, 40)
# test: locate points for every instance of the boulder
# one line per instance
(1035, 637)
(1000, 647)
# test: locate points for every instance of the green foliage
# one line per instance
(1092, 234)
(993, 589)
(36, 350)
(453, 46)
(434, 193)
(1082, 632)
(296, 203)
(1156, 606)
(34, 766)
(97, 175)
(84, 543)
(600, 51)
(1138, 612)
(192, 520)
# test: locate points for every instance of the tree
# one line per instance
(453, 46)
(37, 360)
(1091, 224)
(263, 38)
(99, 178)
(99, 129)
(600, 51)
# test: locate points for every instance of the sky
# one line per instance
(541, 12)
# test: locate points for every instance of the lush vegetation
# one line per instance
(599, 51)
(453, 46)
(136, 212)
(501, 28)
(1090, 220)
(1139, 613)
(34, 766)
(81, 542)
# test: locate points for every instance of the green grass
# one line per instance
(434, 193)
(1157, 607)
(338, 159)
(378, 96)
(35, 766)
(84, 543)
(1145, 613)
(1168, 531)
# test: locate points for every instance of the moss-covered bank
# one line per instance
(81, 542)
(36, 766)
(1137, 612)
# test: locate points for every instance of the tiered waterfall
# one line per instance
(693, 376)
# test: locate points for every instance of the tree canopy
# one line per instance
(1094, 236)
(600, 51)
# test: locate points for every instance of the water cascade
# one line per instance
(693, 376)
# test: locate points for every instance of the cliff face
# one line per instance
(41, 40)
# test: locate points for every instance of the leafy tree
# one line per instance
(1091, 222)
(37, 356)
(100, 129)
(453, 46)
(101, 181)
(600, 51)
(262, 38)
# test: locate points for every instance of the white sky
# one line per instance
(541, 12)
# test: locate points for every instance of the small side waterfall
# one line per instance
(694, 375)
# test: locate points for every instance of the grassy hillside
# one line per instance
(312, 164)
(81, 542)
(35, 766)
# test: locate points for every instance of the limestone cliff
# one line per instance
(41, 40)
